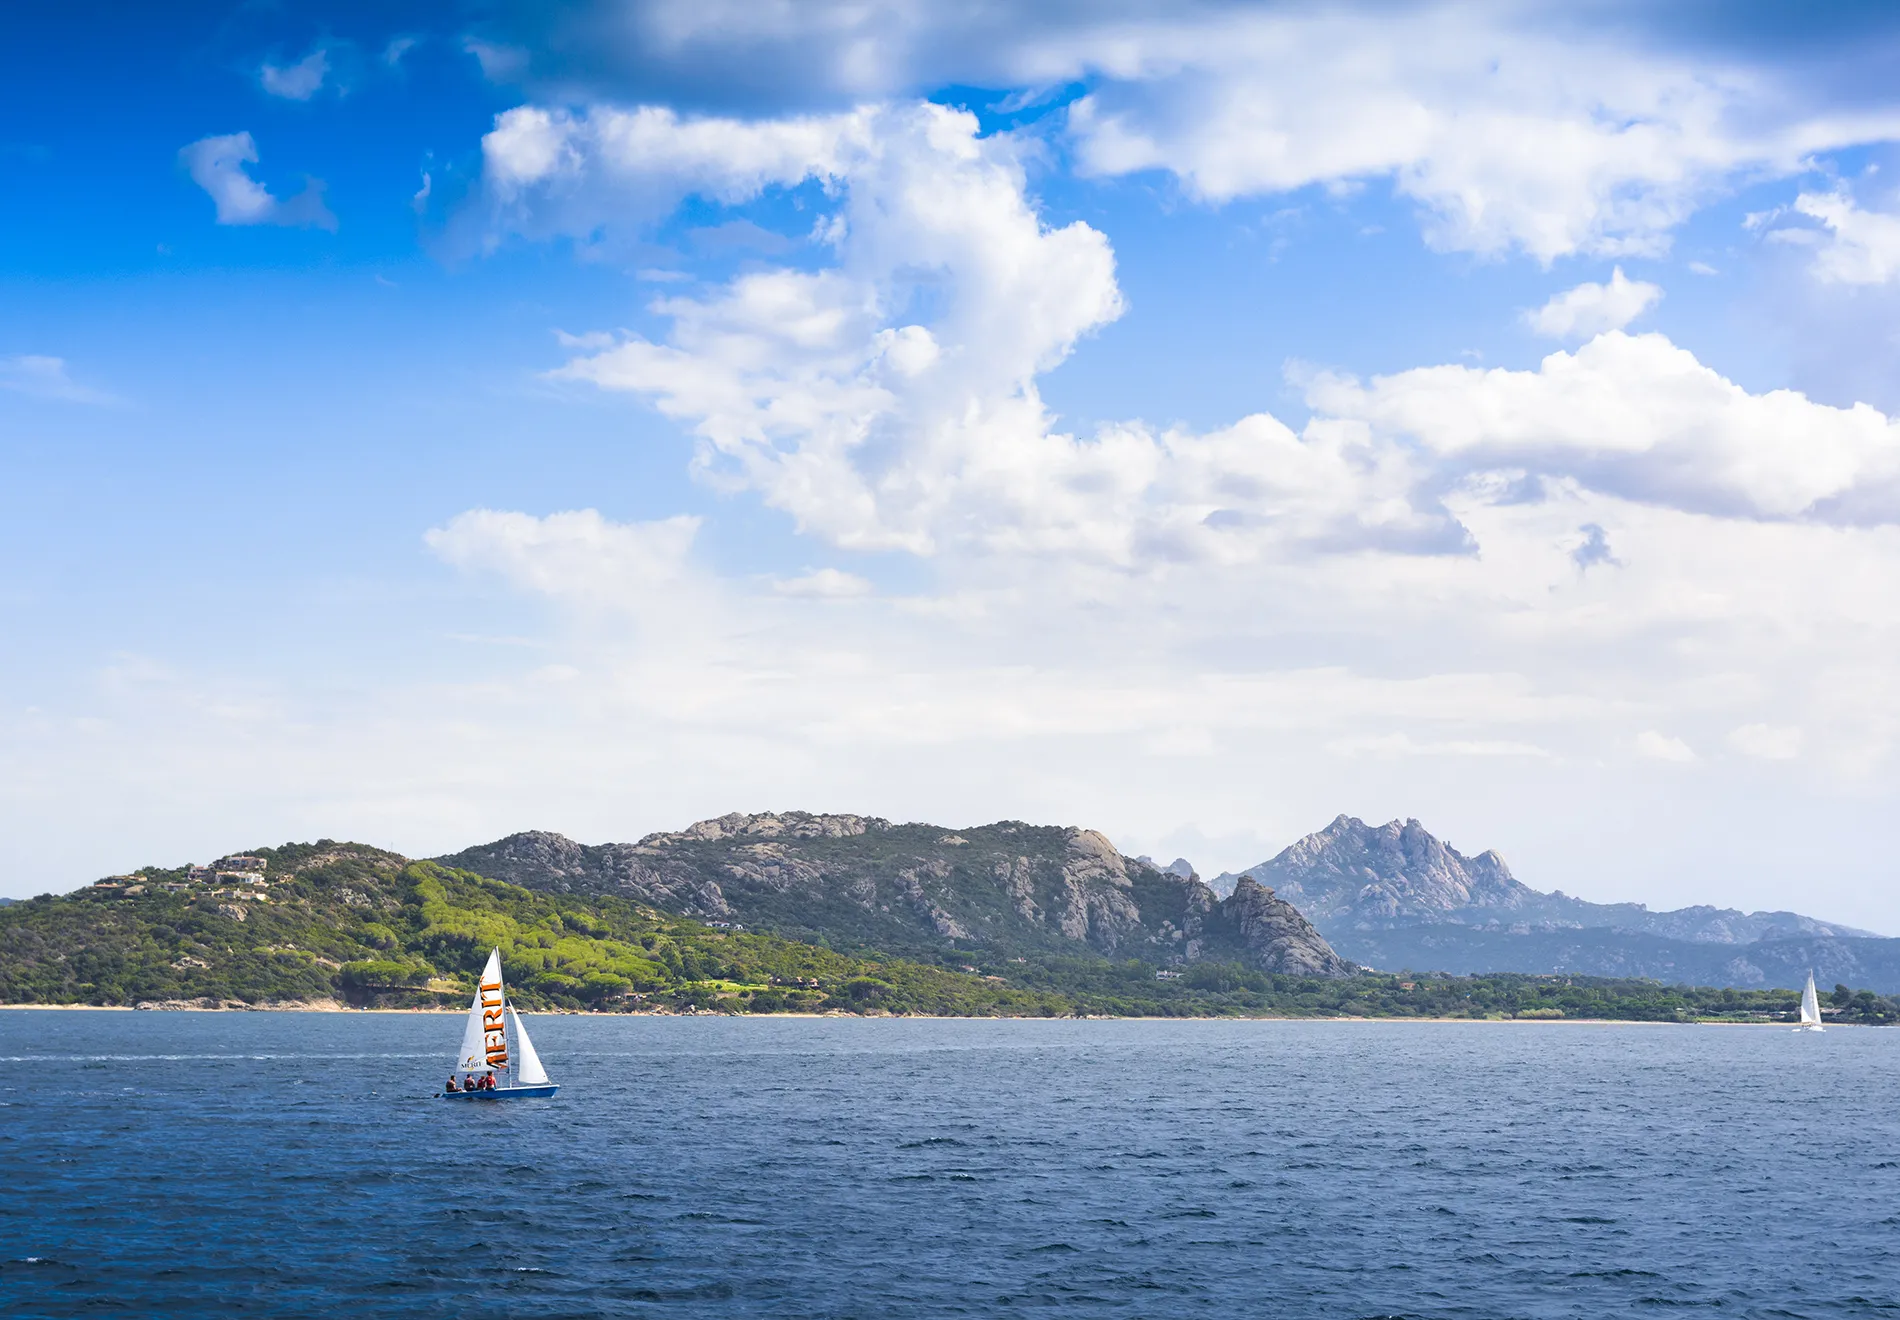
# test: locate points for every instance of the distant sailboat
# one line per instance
(485, 1045)
(1810, 1008)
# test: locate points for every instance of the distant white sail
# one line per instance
(531, 1072)
(484, 1042)
(1810, 1006)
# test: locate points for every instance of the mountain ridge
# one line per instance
(1400, 871)
(863, 881)
(1395, 895)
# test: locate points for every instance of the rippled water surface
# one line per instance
(295, 1165)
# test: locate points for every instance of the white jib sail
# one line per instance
(484, 1046)
(1810, 1005)
(530, 1073)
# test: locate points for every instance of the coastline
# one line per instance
(332, 1006)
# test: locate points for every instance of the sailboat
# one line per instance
(491, 1020)
(1810, 1008)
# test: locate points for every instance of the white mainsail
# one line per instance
(484, 1042)
(1811, 1006)
(531, 1073)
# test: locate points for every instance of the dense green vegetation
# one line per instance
(367, 927)
(346, 922)
(1232, 989)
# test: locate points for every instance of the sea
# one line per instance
(293, 1164)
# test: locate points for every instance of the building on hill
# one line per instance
(241, 867)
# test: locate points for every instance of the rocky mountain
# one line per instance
(1395, 896)
(1604, 951)
(861, 882)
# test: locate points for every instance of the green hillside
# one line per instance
(347, 922)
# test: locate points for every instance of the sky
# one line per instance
(1190, 421)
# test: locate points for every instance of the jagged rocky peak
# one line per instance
(1276, 936)
(1179, 866)
(770, 825)
(1393, 870)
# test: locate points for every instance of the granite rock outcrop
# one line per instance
(863, 882)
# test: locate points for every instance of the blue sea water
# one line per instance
(185, 1164)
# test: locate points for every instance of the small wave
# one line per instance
(1615, 1274)
(300, 1057)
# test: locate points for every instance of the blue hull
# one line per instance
(505, 1093)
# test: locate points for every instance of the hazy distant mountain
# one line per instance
(862, 882)
(1394, 896)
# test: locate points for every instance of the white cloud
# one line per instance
(1859, 247)
(219, 165)
(578, 557)
(591, 341)
(1717, 530)
(1590, 309)
(1514, 127)
(1639, 417)
(1661, 747)
(825, 583)
(299, 81)
(1545, 141)
(1394, 745)
(815, 388)
(876, 432)
(44, 377)
(552, 172)
(499, 63)
(1766, 742)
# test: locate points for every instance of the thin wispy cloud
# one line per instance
(299, 81)
(41, 377)
(221, 166)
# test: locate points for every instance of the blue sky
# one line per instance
(1187, 421)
